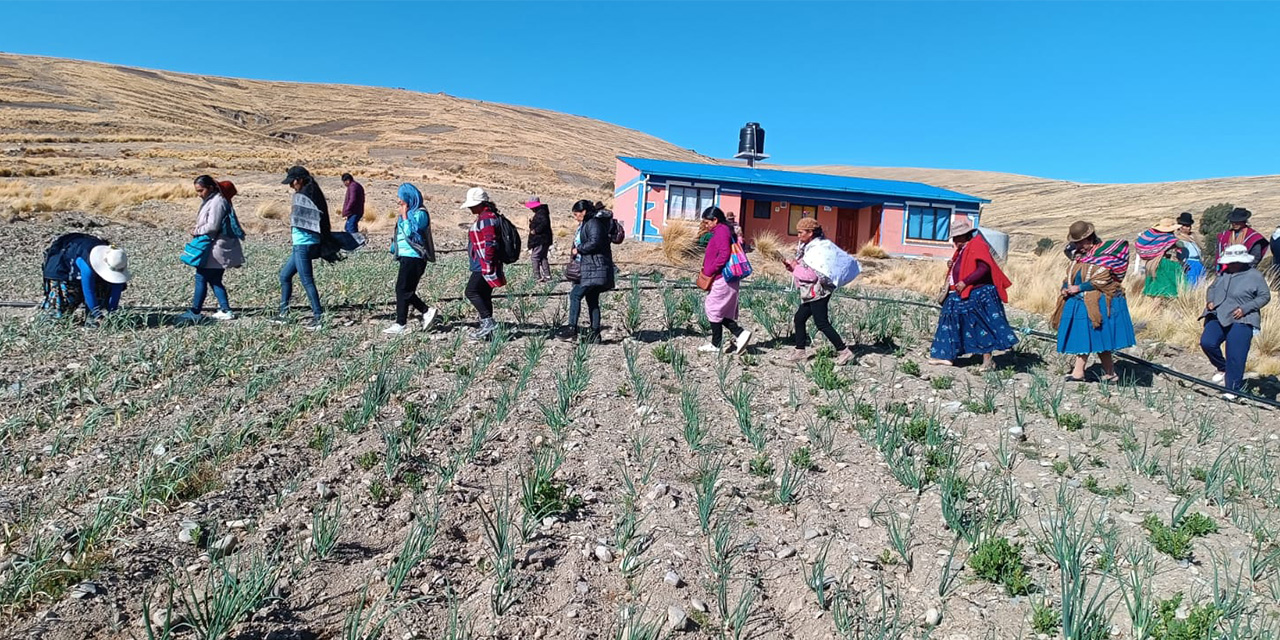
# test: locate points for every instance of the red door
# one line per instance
(846, 229)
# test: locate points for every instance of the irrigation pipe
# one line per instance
(1158, 368)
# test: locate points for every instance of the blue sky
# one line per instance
(1093, 91)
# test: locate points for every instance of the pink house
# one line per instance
(904, 218)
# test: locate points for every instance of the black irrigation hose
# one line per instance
(1158, 368)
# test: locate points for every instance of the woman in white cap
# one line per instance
(84, 269)
(1231, 315)
(486, 267)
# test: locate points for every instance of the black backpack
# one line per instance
(616, 233)
(508, 241)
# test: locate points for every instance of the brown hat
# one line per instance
(807, 224)
(1166, 225)
(1079, 231)
(961, 226)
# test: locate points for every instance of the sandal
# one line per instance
(1071, 378)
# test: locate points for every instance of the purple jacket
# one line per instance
(719, 248)
(353, 205)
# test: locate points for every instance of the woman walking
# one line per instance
(1231, 315)
(1239, 232)
(1194, 265)
(309, 222)
(83, 269)
(539, 239)
(815, 297)
(593, 251)
(1092, 315)
(486, 268)
(224, 252)
(1158, 248)
(412, 247)
(721, 305)
(972, 318)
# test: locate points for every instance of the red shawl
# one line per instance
(968, 257)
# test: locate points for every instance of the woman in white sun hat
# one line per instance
(83, 269)
(1231, 315)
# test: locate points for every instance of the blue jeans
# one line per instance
(353, 223)
(1238, 337)
(208, 277)
(299, 262)
(592, 294)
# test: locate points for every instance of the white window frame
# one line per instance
(666, 209)
(906, 219)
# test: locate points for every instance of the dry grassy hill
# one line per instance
(66, 120)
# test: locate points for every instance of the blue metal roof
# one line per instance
(797, 180)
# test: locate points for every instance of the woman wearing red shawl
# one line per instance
(1092, 314)
(972, 319)
(1241, 233)
(1158, 247)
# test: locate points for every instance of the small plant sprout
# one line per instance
(823, 585)
(326, 524)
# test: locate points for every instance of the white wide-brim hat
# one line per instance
(110, 263)
(1235, 253)
(475, 195)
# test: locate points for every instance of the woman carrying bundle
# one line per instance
(972, 319)
(721, 305)
(815, 297)
(1158, 248)
(1092, 315)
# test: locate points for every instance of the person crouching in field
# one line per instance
(309, 222)
(815, 297)
(972, 319)
(1232, 315)
(1158, 247)
(218, 237)
(721, 304)
(1092, 314)
(413, 247)
(486, 267)
(83, 269)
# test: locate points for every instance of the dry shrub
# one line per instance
(272, 210)
(91, 198)
(679, 242)
(871, 250)
(920, 276)
(771, 246)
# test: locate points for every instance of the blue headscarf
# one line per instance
(410, 195)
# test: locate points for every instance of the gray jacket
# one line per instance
(1245, 290)
(226, 251)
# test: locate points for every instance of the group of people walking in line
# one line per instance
(1092, 316)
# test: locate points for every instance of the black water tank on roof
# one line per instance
(751, 138)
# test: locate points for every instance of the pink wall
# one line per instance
(893, 237)
(625, 196)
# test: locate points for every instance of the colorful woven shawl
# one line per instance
(1112, 254)
(1153, 244)
(1247, 237)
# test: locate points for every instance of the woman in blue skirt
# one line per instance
(1092, 315)
(972, 318)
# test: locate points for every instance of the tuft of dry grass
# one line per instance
(679, 242)
(272, 210)
(771, 246)
(871, 250)
(101, 198)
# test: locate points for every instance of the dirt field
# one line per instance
(263, 481)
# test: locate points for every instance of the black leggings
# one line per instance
(480, 295)
(407, 288)
(818, 310)
(717, 330)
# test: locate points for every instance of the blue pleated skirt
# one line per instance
(1077, 335)
(976, 325)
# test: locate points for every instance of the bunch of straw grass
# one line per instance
(680, 242)
(872, 251)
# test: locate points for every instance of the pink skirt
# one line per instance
(722, 301)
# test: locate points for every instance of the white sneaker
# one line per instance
(741, 342)
(222, 315)
(709, 348)
(1229, 397)
(395, 329)
(429, 318)
(1219, 377)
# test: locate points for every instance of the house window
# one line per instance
(928, 223)
(687, 203)
(799, 211)
(762, 209)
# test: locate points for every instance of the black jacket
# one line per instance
(596, 251)
(540, 228)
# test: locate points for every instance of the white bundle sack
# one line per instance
(823, 256)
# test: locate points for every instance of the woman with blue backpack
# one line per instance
(413, 247)
(214, 248)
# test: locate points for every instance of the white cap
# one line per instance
(110, 263)
(1235, 253)
(475, 195)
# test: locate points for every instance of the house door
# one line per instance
(846, 229)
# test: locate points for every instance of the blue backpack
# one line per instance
(419, 237)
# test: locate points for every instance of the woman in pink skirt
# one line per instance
(722, 298)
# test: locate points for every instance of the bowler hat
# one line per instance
(1185, 219)
(1239, 214)
(1080, 230)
